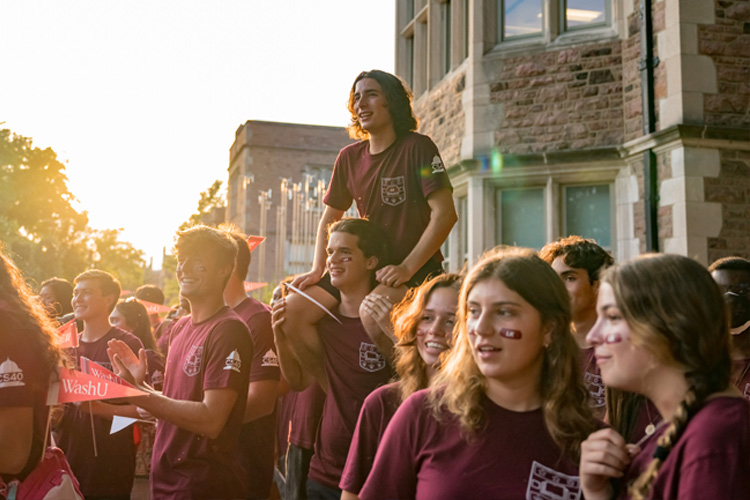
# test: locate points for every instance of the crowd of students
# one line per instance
(548, 375)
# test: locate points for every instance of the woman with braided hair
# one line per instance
(663, 332)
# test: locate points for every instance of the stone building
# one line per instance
(269, 165)
(551, 118)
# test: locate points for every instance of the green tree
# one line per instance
(39, 226)
(118, 257)
(211, 207)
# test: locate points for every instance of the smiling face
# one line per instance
(371, 106)
(88, 301)
(346, 263)
(199, 275)
(435, 327)
(506, 333)
(623, 365)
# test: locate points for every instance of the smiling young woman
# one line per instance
(506, 415)
(663, 332)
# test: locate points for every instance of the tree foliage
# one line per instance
(41, 229)
(211, 207)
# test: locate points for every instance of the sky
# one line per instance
(141, 99)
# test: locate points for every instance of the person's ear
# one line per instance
(372, 262)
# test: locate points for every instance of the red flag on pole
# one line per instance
(75, 386)
(254, 241)
(251, 285)
(154, 308)
(68, 334)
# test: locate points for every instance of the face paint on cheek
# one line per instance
(510, 334)
(613, 338)
(346, 259)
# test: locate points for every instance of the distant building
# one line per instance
(537, 107)
(269, 165)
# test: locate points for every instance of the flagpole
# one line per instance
(93, 433)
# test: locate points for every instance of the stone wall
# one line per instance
(732, 189)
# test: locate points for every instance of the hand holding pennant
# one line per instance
(67, 335)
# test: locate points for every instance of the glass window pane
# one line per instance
(522, 217)
(587, 213)
(584, 13)
(521, 17)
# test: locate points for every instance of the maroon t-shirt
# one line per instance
(22, 384)
(111, 471)
(212, 354)
(256, 446)
(355, 368)
(155, 369)
(377, 411)
(163, 336)
(593, 380)
(741, 376)
(306, 414)
(513, 457)
(711, 460)
(390, 188)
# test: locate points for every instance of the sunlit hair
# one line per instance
(136, 316)
(406, 316)
(675, 310)
(25, 320)
(242, 262)
(108, 284)
(371, 239)
(458, 388)
(63, 292)
(150, 293)
(578, 253)
(730, 264)
(399, 99)
(209, 242)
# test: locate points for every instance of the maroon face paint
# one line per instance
(510, 334)
(345, 259)
(613, 338)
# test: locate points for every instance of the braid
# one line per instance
(699, 390)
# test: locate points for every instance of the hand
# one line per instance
(393, 276)
(277, 319)
(125, 364)
(379, 308)
(604, 455)
(307, 279)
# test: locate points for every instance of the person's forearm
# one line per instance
(290, 366)
(432, 238)
(108, 410)
(193, 416)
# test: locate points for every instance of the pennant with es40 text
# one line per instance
(254, 241)
(75, 386)
(67, 335)
(250, 286)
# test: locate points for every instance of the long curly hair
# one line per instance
(682, 320)
(406, 315)
(458, 388)
(399, 99)
(24, 316)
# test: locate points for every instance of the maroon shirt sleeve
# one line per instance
(231, 347)
(265, 365)
(394, 472)
(20, 380)
(432, 169)
(376, 413)
(338, 195)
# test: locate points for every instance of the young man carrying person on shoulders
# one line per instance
(256, 446)
(732, 274)
(202, 407)
(353, 366)
(398, 181)
(579, 262)
(105, 469)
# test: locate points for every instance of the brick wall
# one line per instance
(441, 116)
(732, 189)
(727, 42)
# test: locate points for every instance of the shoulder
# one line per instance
(353, 148)
(127, 337)
(722, 418)
(383, 395)
(417, 140)
(250, 307)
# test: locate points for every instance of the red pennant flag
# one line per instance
(125, 292)
(251, 285)
(254, 241)
(153, 308)
(92, 368)
(75, 386)
(68, 334)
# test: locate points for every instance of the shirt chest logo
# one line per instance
(548, 484)
(370, 358)
(192, 364)
(11, 374)
(596, 389)
(393, 190)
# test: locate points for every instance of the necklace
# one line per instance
(650, 428)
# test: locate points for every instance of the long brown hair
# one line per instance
(24, 316)
(399, 99)
(410, 367)
(458, 388)
(675, 310)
